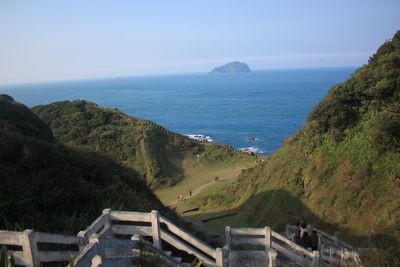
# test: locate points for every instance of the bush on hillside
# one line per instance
(385, 131)
(335, 114)
(48, 187)
(156, 153)
(373, 87)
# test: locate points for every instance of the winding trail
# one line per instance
(199, 189)
(209, 232)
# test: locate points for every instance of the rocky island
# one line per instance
(232, 67)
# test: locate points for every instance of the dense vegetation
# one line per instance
(342, 170)
(156, 153)
(47, 186)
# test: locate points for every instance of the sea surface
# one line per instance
(264, 106)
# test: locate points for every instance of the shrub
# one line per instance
(385, 131)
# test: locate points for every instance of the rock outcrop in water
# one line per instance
(232, 67)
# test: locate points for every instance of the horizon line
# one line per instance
(158, 74)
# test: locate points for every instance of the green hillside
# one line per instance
(49, 187)
(164, 158)
(340, 172)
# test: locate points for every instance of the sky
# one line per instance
(62, 40)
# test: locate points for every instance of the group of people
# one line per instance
(305, 236)
(180, 196)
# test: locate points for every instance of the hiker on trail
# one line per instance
(303, 229)
(190, 192)
(314, 240)
(305, 240)
(180, 197)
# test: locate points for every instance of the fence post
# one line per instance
(96, 261)
(341, 258)
(267, 238)
(228, 237)
(107, 222)
(287, 231)
(101, 253)
(335, 239)
(319, 242)
(82, 240)
(272, 254)
(219, 257)
(29, 248)
(321, 252)
(315, 259)
(155, 228)
(225, 254)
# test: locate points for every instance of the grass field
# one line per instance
(199, 176)
(209, 209)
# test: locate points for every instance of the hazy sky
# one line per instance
(57, 40)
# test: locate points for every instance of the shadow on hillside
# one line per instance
(277, 208)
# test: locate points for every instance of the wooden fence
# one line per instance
(94, 244)
(272, 242)
(30, 248)
(112, 238)
(161, 229)
(333, 252)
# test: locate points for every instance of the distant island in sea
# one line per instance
(232, 67)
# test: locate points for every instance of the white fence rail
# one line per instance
(97, 245)
(248, 239)
(29, 241)
(273, 244)
(333, 252)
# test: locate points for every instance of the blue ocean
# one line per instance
(258, 109)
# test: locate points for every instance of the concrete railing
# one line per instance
(333, 240)
(101, 244)
(333, 252)
(332, 256)
(273, 244)
(103, 250)
(27, 247)
(293, 251)
(251, 237)
(161, 229)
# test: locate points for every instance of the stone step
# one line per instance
(247, 258)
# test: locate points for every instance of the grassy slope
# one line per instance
(199, 175)
(49, 187)
(342, 170)
(161, 156)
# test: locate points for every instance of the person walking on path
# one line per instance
(303, 229)
(190, 192)
(314, 240)
(305, 240)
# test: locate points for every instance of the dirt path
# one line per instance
(199, 189)
(197, 224)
